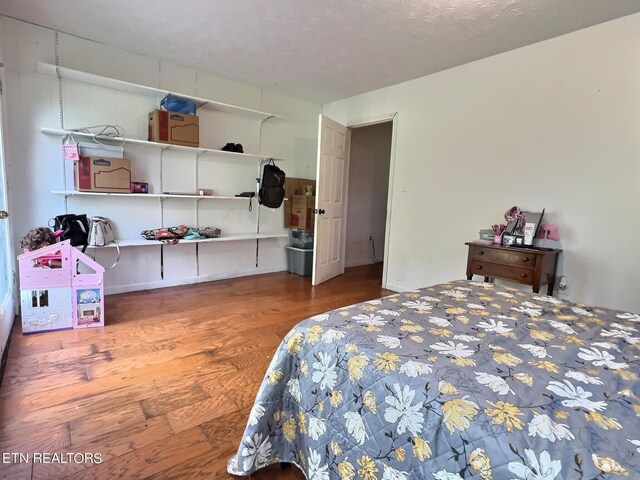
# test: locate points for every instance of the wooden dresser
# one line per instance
(528, 266)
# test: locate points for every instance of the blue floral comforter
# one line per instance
(455, 381)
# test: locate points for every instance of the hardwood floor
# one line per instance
(164, 390)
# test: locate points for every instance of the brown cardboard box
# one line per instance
(303, 201)
(174, 128)
(298, 186)
(287, 214)
(100, 174)
(302, 211)
(295, 186)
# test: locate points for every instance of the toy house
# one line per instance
(60, 287)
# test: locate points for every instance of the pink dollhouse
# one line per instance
(60, 288)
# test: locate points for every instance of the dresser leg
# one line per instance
(536, 289)
(551, 286)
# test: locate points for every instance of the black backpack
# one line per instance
(74, 227)
(271, 192)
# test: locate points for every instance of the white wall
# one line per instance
(34, 166)
(553, 125)
(368, 184)
(7, 300)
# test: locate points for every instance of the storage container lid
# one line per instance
(297, 249)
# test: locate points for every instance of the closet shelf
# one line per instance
(141, 242)
(71, 193)
(162, 146)
(159, 94)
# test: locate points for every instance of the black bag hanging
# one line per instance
(271, 192)
(74, 228)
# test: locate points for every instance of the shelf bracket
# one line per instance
(197, 212)
(198, 155)
(162, 261)
(161, 172)
(260, 133)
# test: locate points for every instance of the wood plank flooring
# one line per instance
(164, 390)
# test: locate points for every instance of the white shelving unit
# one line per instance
(210, 155)
(73, 193)
(161, 146)
(159, 94)
(141, 242)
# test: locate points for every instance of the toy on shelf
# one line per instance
(69, 294)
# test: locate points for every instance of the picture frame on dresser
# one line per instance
(533, 220)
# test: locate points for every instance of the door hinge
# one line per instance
(0, 87)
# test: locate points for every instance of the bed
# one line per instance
(455, 381)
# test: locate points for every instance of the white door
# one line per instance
(7, 309)
(330, 212)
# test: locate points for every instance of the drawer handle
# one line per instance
(525, 259)
(479, 267)
(523, 275)
(480, 252)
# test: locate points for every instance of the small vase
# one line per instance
(497, 239)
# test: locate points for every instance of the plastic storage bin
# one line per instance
(302, 238)
(177, 104)
(300, 260)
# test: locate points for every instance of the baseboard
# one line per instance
(5, 352)
(7, 311)
(134, 287)
(396, 288)
(357, 263)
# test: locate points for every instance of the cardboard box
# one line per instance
(303, 201)
(175, 128)
(298, 186)
(287, 214)
(100, 174)
(302, 211)
(295, 186)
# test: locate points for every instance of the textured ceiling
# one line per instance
(321, 50)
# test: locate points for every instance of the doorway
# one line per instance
(332, 195)
(368, 188)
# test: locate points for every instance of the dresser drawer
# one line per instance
(517, 274)
(505, 257)
(522, 265)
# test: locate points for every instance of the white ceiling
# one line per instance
(321, 50)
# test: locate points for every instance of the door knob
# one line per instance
(321, 212)
(3, 214)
